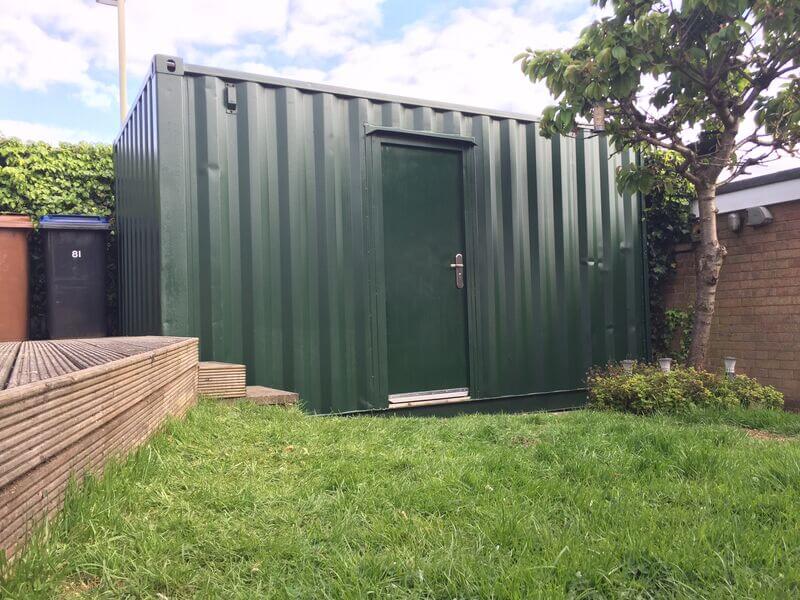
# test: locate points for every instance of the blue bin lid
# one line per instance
(74, 222)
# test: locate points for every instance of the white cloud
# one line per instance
(181, 26)
(153, 27)
(229, 56)
(296, 73)
(74, 42)
(28, 132)
(462, 56)
(34, 59)
(327, 28)
(548, 10)
(467, 60)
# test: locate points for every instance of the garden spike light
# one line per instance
(730, 366)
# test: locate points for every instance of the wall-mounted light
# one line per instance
(627, 365)
(598, 118)
(665, 364)
(735, 222)
(730, 366)
(758, 216)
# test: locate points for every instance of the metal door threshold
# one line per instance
(460, 399)
(427, 398)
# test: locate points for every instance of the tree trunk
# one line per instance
(708, 262)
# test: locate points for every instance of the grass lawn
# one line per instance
(245, 502)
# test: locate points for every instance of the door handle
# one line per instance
(458, 265)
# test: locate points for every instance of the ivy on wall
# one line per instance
(37, 179)
(668, 216)
(675, 334)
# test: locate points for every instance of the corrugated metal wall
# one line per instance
(137, 216)
(264, 248)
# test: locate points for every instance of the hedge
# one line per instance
(37, 179)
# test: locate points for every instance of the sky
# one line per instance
(58, 58)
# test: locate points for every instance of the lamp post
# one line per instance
(123, 79)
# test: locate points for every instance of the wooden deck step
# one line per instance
(258, 394)
(221, 380)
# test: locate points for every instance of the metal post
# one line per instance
(123, 78)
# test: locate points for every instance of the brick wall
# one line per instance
(757, 318)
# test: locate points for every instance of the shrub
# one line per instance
(37, 179)
(647, 389)
(749, 393)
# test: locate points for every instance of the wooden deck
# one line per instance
(27, 362)
(68, 406)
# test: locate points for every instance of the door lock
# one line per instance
(458, 265)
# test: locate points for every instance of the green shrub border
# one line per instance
(647, 389)
(38, 179)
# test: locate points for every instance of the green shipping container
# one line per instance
(370, 251)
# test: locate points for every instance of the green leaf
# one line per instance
(604, 57)
(573, 73)
(595, 91)
(689, 50)
(696, 54)
(566, 119)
